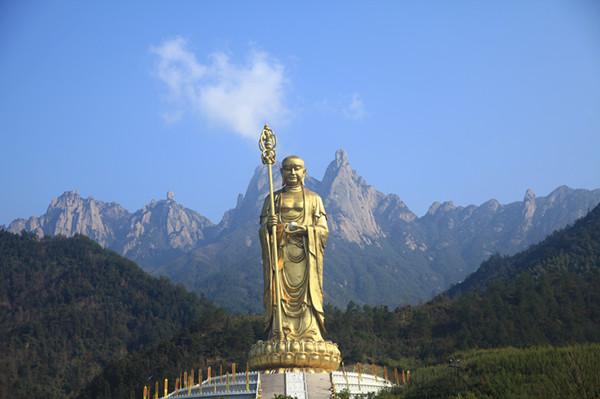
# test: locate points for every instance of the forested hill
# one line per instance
(548, 294)
(68, 307)
(574, 249)
(72, 312)
(551, 297)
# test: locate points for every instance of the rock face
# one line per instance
(160, 231)
(378, 251)
(70, 214)
(350, 202)
(163, 230)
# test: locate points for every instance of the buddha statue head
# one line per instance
(293, 171)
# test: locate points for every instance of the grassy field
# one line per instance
(537, 372)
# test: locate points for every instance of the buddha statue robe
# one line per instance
(300, 258)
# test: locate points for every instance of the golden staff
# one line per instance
(267, 143)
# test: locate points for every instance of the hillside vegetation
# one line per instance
(73, 314)
(548, 294)
(68, 307)
(539, 372)
(552, 299)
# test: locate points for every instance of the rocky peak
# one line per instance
(529, 196)
(527, 214)
(437, 209)
(339, 168)
(249, 205)
(391, 209)
(341, 158)
(350, 201)
(558, 194)
(66, 199)
(433, 208)
(70, 214)
(491, 205)
(448, 206)
(529, 205)
(164, 224)
(31, 225)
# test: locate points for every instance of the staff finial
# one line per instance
(267, 144)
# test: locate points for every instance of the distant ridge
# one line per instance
(548, 294)
(379, 251)
(575, 249)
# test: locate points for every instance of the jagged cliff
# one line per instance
(70, 214)
(378, 252)
(159, 232)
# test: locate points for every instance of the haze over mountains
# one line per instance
(379, 251)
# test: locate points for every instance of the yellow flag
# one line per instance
(247, 378)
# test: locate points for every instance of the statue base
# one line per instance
(301, 385)
(307, 356)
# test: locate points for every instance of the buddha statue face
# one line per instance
(293, 171)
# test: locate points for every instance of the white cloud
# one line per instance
(239, 97)
(356, 108)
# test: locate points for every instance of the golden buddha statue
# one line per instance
(302, 233)
(293, 288)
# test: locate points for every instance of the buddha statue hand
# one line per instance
(271, 221)
(295, 228)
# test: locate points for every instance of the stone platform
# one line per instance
(301, 385)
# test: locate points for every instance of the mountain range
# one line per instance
(379, 251)
(77, 320)
(547, 295)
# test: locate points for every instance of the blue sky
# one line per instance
(433, 101)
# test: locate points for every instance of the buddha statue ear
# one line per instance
(303, 176)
